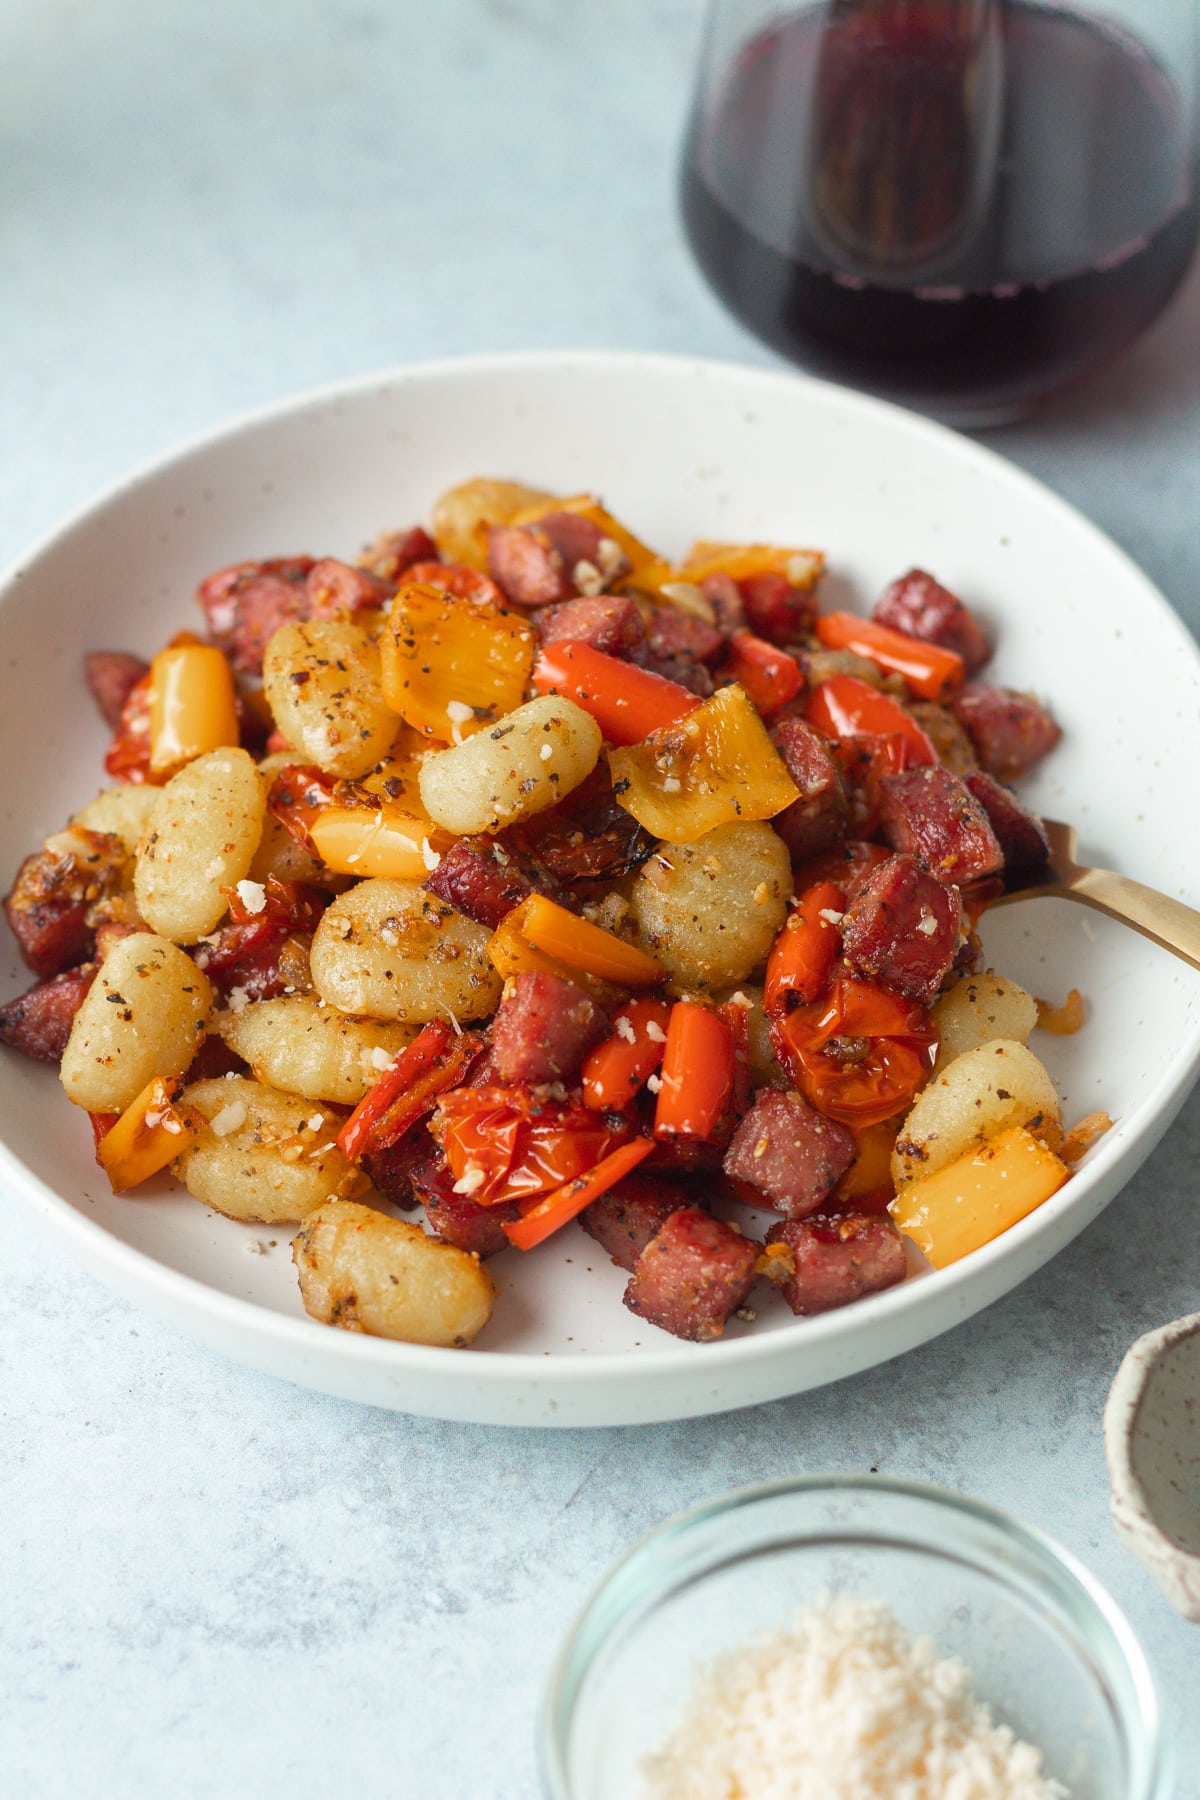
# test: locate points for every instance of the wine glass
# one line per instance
(963, 205)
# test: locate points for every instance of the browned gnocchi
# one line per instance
(366, 1272)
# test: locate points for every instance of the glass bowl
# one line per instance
(1048, 1650)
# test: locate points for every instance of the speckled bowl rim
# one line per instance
(658, 1563)
(1173, 1567)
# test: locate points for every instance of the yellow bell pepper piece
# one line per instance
(453, 666)
(743, 561)
(568, 939)
(394, 840)
(513, 954)
(151, 1132)
(193, 707)
(974, 1199)
(710, 768)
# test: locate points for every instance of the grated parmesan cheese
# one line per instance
(843, 1706)
(230, 1118)
(253, 895)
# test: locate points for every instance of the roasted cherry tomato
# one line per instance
(508, 1143)
(860, 1053)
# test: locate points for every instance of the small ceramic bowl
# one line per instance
(1152, 1441)
(1048, 1650)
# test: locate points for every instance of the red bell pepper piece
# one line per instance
(626, 702)
(805, 950)
(929, 670)
(429, 1066)
(616, 1069)
(769, 675)
(845, 707)
(698, 1071)
(563, 1204)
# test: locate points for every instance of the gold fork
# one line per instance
(1163, 920)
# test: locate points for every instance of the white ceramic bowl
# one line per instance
(680, 449)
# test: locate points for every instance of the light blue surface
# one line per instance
(210, 1582)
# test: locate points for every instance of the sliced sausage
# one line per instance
(932, 816)
(923, 608)
(111, 674)
(458, 1219)
(671, 633)
(820, 818)
(1010, 731)
(692, 1275)
(608, 622)
(625, 1219)
(788, 1154)
(544, 1027)
(483, 879)
(776, 610)
(335, 587)
(902, 928)
(1021, 833)
(838, 1260)
(395, 551)
(38, 1022)
(725, 597)
(50, 909)
(246, 604)
(523, 562)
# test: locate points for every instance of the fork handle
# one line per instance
(1165, 921)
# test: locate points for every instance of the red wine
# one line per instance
(960, 222)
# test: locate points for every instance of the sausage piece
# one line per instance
(902, 928)
(923, 608)
(624, 1220)
(50, 909)
(544, 1027)
(692, 1274)
(523, 562)
(1009, 731)
(482, 879)
(110, 675)
(838, 1260)
(788, 1154)
(246, 604)
(458, 1219)
(1021, 833)
(608, 622)
(932, 816)
(38, 1022)
(820, 818)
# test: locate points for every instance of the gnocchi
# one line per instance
(303, 1047)
(203, 833)
(390, 950)
(710, 910)
(323, 683)
(264, 1157)
(533, 758)
(144, 1015)
(976, 1097)
(363, 1271)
